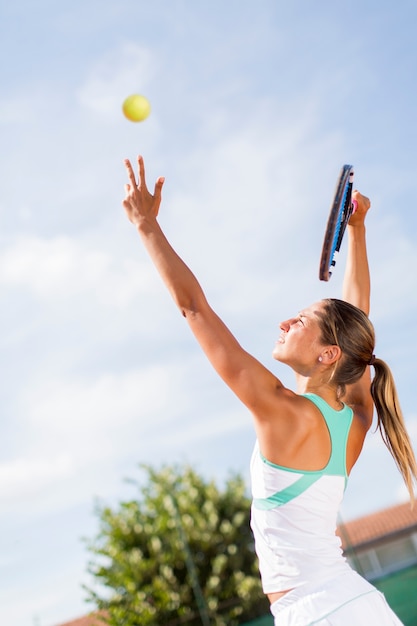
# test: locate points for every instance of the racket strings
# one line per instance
(340, 213)
(341, 219)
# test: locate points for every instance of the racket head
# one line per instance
(340, 211)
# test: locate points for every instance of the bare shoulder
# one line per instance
(284, 405)
(290, 421)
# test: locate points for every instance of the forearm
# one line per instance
(357, 284)
(178, 278)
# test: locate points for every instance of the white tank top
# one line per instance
(294, 513)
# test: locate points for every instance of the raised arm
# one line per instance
(250, 380)
(357, 284)
(357, 291)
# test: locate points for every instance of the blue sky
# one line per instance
(255, 107)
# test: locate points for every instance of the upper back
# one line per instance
(300, 435)
(294, 511)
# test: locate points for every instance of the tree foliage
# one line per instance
(181, 554)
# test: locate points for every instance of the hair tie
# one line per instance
(372, 360)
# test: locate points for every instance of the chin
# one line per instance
(281, 357)
(277, 355)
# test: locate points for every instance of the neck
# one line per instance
(329, 393)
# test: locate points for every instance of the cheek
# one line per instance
(309, 341)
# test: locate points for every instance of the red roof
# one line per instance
(93, 619)
(379, 524)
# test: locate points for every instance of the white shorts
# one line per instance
(346, 600)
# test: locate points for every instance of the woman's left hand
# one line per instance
(362, 204)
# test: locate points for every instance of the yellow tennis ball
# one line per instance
(136, 108)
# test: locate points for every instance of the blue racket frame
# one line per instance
(340, 211)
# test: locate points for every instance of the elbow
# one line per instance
(193, 307)
(189, 309)
(189, 312)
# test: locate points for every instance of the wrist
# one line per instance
(145, 225)
(356, 226)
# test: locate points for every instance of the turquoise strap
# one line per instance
(287, 494)
(338, 423)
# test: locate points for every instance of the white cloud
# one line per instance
(75, 431)
(63, 267)
(26, 477)
(108, 402)
(79, 432)
(116, 75)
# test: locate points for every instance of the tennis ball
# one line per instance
(136, 108)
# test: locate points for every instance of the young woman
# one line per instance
(308, 441)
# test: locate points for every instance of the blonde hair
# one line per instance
(349, 328)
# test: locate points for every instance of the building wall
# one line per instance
(390, 563)
(385, 557)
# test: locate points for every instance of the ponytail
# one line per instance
(350, 328)
(391, 423)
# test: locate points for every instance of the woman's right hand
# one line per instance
(139, 204)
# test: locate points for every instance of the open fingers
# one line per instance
(158, 186)
(130, 172)
(141, 169)
(157, 194)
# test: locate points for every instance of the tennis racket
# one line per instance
(340, 211)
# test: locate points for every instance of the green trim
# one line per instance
(338, 424)
(290, 469)
(287, 494)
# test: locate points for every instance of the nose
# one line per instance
(285, 326)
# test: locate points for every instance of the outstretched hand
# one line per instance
(139, 203)
(362, 206)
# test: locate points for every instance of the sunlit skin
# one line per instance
(290, 429)
(298, 344)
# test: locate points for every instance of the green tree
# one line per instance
(182, 553)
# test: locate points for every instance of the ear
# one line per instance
(330, 355)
